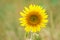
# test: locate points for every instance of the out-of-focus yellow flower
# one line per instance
(33, 18)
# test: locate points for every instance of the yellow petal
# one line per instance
(21, 18)
(46, 16)
(27, 29)
(43, 11)
(34, 6)
(45, 21)
(22, 14)
(33, 29)
(30, 7)
(38, 28)
(40, 7)
(22, 24)
(26, 9)
(43, 25)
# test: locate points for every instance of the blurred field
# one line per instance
(9, 25)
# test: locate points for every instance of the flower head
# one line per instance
(33, 18)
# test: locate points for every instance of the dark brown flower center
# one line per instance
(33, 18)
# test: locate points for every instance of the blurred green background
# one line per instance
(9, 24)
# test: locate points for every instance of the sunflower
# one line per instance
(33, 18)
